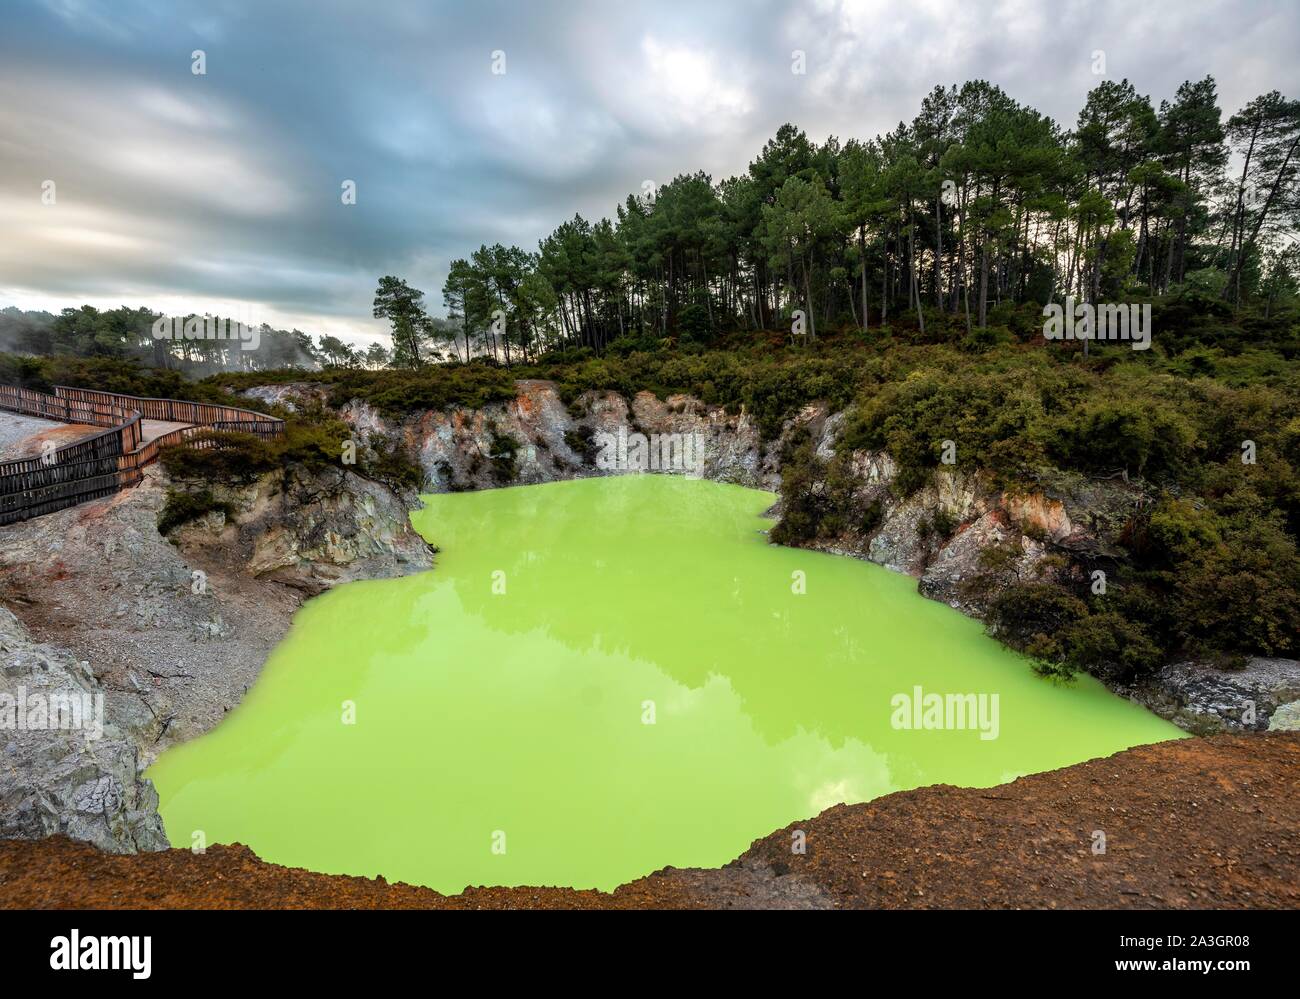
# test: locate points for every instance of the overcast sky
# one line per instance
(221, 192)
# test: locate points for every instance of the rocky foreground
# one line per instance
(1196, 823)
(167, 633)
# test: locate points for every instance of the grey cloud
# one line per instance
(226, 186)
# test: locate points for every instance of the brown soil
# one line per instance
(18, 444)
(1197, 823)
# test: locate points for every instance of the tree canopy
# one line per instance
(979, 201)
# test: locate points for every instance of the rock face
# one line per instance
(313, 530)
(291, 395)
(939, 532)
(454, 447)
(956, 562)
(1205, 700)
(81, 780)
(901, 542)
(1286, 718)
(1068, 513)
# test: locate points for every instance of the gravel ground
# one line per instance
(22, 436)
(1194, 823)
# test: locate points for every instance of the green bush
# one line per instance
(395, 393)
(943, 523)
(1032, 616)
(1109, 641)
(872, 516)
(803, 505)
(182, 507)
(1242, 594)
(503, 452)
(386, 461)
(582, 442)
(220, 456)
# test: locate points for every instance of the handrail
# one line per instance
(104, 463)
(169, 410)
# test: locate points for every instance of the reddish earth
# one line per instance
(1197, 823)
(27, 438)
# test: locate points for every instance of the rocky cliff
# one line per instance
(454, 447)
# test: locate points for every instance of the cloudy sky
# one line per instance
(222, 191)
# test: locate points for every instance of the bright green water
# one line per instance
(524, 712)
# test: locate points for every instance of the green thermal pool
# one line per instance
(601, 678)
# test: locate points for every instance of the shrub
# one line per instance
(504, 455)
(220, 456)
(395, 393)
(872, 516)
(803, 505)
(1243, 593)
(1110, 642)
(943, 523)
(315, 442)
(1031, 616)
(183, 507)
(387, 461)
(582, 442)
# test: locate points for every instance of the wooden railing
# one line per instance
(104, 463)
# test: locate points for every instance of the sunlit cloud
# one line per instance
(691, 87)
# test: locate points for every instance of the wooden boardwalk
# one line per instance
(110, 459)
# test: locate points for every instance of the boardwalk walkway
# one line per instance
(39, 480)
(151, 430)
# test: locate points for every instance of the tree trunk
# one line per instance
(862, 249)
(938, 251)
(1238, 220)
(884, 286)
(984, 280)
(913, 277)
(1263, 212)
(807, 290)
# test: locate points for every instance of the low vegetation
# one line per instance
(316, 440)
(183, 506)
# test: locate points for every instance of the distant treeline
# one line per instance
(126, 333)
